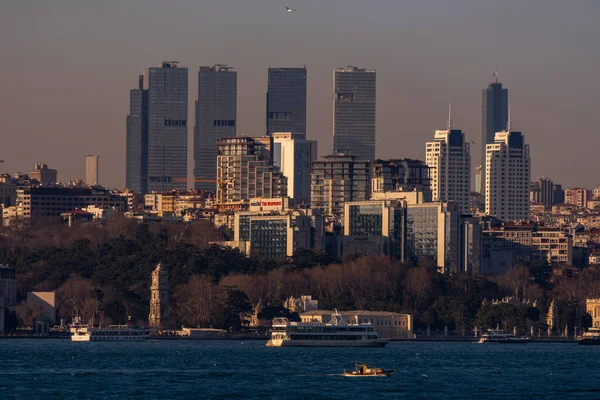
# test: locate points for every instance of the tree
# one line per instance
(79, 297)
(237, 305)
(196, 302)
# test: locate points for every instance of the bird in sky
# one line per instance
(289, 9)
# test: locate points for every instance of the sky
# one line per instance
(67, 67)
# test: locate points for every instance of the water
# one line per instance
(60, 369)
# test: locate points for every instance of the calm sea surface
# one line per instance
(60, 369)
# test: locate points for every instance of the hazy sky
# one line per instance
(67, 66)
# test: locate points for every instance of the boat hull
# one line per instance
(326, 343)
(513, 341)
(385, 374)
(588, 342)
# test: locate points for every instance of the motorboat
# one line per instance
(591, 337)
(499, 336)
(364, 370)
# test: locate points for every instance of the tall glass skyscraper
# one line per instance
(494, 117)
(354, 105)
(286, 100)
(216, 115)
(136, 153)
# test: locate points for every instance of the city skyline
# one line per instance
(413, 86)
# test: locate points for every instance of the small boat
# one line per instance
(498, 336)
(364, 370)
(591, 337)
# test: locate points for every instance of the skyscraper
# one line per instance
(91, 169)
(136, 163)
(494, 117)
(286, 100)
(292, 154)
(449, 160)
(216, 114)
(354, 104)
(508, 178)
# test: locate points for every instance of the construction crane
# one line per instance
(221, 182)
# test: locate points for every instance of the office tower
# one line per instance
(244, 170)
(403, 175)
(494, 117)
(478, 177)
(216, 118)
(91, 170)
(157, 130)
(336, 180)
(44, 175)
(449, 160)
(559, 194)
(508, 178)
(292, 154)
(136, 153)
(546, 192)
(354, 104)
(286, 100)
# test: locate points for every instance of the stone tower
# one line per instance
(159, 296)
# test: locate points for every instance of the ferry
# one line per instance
(497, 336)
(86, 333)
(336, 333)
(591, 337)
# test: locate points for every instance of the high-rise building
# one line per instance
(559, 194)
(546, 192)
(44, 175)
(245, 171)
(216, 118)
(91, 170)
(286, 100)
(577, 196)
(508, 178)
(157, 130)
(478, 185)
(449, 160)
(136, 153)
(494, 117)
(292, 154)
(336, 180)
(403, 175)
(354, 106)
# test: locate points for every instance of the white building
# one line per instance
(508, 175)
(91, 170)
(292, 154)
(449, 160)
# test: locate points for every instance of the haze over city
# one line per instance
(68, 68)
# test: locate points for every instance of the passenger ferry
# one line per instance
(496, 336)
(591, 337)
(319, 334)
(86, 333)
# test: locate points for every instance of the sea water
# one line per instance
(229, 369)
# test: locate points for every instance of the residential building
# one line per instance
(216, 118)
(596, 193)
(494, 117)
(389, 325)
(449, 160)
(338, 179)
(159, 297)
(286, 100)
(157, 130)
(245, 170)
(44, 175)
(91, 170)
(354, 106)
(577, 196)
(292, 154)
(508, 176)
(400, 175)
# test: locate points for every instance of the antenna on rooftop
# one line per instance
(449, 122)
(496, 74)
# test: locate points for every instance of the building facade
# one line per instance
(354, 112)
(44, 175)
(338, 179)
(216, 118)
(293, 155)
(159, 296)
(403, 175)
(136, 146)
(388, 325)
(286, 100)
(91, 170)
(508, 178)
(577, 196)
(449, 160)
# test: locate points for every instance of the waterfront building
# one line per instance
(292, 154)
(354, 112)
(449, 160)
(91, 170)
(577, 196)
(44, 175)
(157, 130)
(508, 169)
(400, 175)
(159, 297)
(44, 305)
(338, 179)
(592, 307)
(245, 170)
(388, 325)
(286, 100)
(216, 118)
(494, 117)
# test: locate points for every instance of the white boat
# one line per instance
(336, 333)
(591, 337)
(498, 336)
(86, 333)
